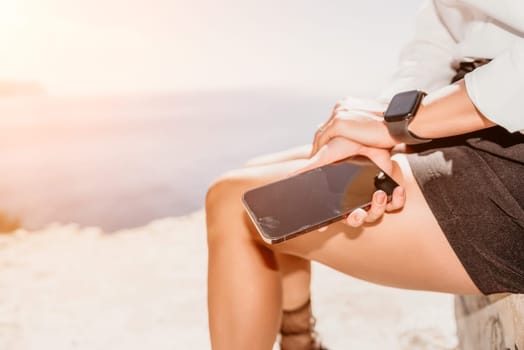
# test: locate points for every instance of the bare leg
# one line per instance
(405, 249)
(295, 271)
(225, 220)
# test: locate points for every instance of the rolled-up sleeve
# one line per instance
(497, 89)
(425, 62)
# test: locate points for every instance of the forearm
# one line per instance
(448, 112)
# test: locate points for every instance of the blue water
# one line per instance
(120, 162)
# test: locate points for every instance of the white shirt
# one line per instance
(449, 30)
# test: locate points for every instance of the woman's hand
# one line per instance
(361, 127)
(348, 105)
(338, 148)
(379, 205)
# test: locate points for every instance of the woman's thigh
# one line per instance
(405, 249)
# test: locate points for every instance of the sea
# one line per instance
(121, 161)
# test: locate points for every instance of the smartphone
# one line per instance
(302, 203)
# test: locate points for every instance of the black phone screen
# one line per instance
(310, 200)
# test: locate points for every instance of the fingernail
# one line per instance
(381, 197)
(401, 191)
(359, 218)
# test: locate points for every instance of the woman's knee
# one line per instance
(224, 203)
(222, 194)
(227, 190)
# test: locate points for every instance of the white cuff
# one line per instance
(497, 89)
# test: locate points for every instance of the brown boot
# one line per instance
(298, 330)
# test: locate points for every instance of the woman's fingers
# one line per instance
(359, 216)
(321, 127)
(356, 218)
(398, 199)
(379, 205)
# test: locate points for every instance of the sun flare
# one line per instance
(9, 12)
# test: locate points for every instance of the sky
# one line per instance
(133, 46)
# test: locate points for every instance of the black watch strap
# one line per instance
(399, 131)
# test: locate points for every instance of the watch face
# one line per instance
(403, 105)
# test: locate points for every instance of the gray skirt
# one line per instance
(474, 185)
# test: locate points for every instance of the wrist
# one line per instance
(416, 125)
(389, 140)
(402, 110)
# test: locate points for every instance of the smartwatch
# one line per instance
(400, 112)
